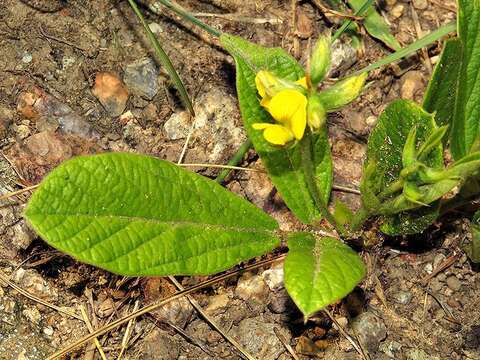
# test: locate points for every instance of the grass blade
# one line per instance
(412, 48)
(164, 59)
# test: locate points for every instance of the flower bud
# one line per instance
(316, 113)
(343, 92)
(320, 60)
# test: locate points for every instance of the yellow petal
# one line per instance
(286, 104)
(299, 122)
(302, 82)
(277, 134)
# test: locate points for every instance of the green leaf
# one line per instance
(465, 126)
(376, 25)
(385, 150)
(283, 164)
(137, 215)
(473, 249)
(320, 271)
(442, 88)
(342, 213)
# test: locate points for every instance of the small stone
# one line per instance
(156, 28)
(34, 283)
(27, 58)
(370, 330)
(304, 25)
(390, 2)
(23, 237)
(420, 4)
(274, 277)
(371, 120)
(178, 125)
(344, 56)
(217, 302)
(251, 288)
(23, 131)
(48, 147)
(428, 268)
(412, 82)
(33, 315)
(106, 308)
(141, 77)
(453, 283)
(402, 297)
(438, 259)
(391, 348)
(111, 93)
(418, 354)
(259, 338)
(308, 347)
(397, 11)
(48, 331)
(281, 302)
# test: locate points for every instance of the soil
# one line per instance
(420, 299)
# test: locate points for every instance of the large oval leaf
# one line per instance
(283, 164)
(320, 271)
(137, 215)
(385, 147)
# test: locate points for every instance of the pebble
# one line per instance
(33, 282)
(141, 78)
(217, 302)
(412, 82)
(48, 331)
(391, 348)
(420, 4)
(397, 11)
(402, 297)
(251, 287)
(453, 283)
(418, 354)
(156, 28)
(23, 131)
(33, 315)
(51, 113)
(48, 147)
(111, 92)
(343, 57)
(259, 338)
(27, 58)
(274, 277)
(370, 330)
(281, 302)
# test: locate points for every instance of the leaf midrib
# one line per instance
(171, 223)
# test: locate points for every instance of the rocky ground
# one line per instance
(78, 77)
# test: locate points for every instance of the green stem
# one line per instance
(164, 59)
(309, 172)
(235, 160)
(187, 16)
(391, 189)
(347, 22)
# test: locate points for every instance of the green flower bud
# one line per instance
(343, 92)
(316, 113)
(320, 60)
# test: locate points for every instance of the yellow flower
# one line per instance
(289, 109)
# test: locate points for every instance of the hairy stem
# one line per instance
(309, 171)
(235, 160)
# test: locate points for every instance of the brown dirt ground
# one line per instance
(55, 48)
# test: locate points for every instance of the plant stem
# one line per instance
(235, 160)
(360, 216)
(347, 22)
(309, 172)
(164, 59)
(187, 16)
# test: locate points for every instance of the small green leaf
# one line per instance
(473, 249)
(442, 89)
(137, 215)
(320, 271)
(409, 153)
(385, 149)
(432, 142)
(465, 126)
(283, 164)
(320, 60)
(342, 213)
(376, 25)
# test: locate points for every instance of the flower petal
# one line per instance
(277, 134)
(299, 122)
(286, 104)
(302, 82)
